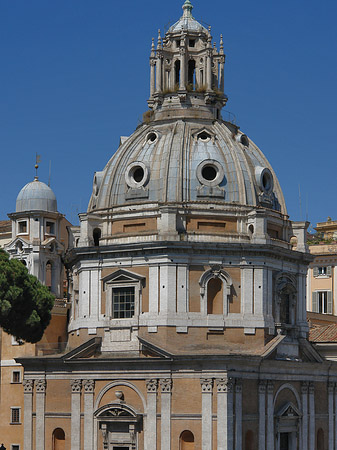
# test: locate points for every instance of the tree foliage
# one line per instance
(25, 304)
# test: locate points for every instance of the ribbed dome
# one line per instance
(187, 21)
(36, 196)
(187, 161)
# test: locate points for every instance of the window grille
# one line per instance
(123, 302)
(15, 415)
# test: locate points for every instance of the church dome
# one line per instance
(36, 196)
(187, 161)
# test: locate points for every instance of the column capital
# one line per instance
(225, 384)
(304, 387)
(89, 386)
(270, 387)
(238, 385)
(331, 387)
(28, 386)
(166, 385)
(311, 388)
(76, 386)
(262, 386)
(206, 384)
(152, 385)
(40, 386)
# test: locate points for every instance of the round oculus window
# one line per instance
(151, 138)
(210, 173)
(264, 179)
(136, 175)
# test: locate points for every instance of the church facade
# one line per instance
(187, 326)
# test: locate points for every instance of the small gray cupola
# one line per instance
(36, 196)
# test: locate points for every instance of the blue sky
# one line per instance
(75, 77)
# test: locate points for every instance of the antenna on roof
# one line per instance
(300, 201)
(37, 162)
(49, 173)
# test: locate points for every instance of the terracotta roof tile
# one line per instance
(326, 333)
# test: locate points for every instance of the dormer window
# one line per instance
(50, 227)
(22, 227)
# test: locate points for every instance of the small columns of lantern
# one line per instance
(152, 66)
(222, 65)
(159, 64)
(183, 63)
(209, 61)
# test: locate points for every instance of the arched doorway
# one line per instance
(118, 427)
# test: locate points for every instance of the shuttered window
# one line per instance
(322, 271)
(322, 302)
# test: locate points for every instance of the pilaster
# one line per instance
(225, 414)
(312, 430)
(270, 416)
(206, 426)
(89, 390)
(151, 415)
(331, 387)
(76, 388)
(28, 386)
(238, 414)
(262, 415)
(304, 392)
(166, 388)
(40, 386)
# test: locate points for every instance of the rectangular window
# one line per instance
(322, 271)
(22, 226)
(50, 227)
(15, 447)
(16, 376)
(192, 42)
(15, 415)
(322, 302)
(123, 302)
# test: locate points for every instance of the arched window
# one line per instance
(285, 300)
(191, 73)
(59, 439)
(320, 439)
(215, 290)
(186, 440)
(215, 296)
(96, 234)
(249, 440)
(177, 72)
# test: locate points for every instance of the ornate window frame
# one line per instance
(285, 284)
(119, 279)
(215, 272)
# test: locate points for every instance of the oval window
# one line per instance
(151, 138)
(264, 179)
(204, 136)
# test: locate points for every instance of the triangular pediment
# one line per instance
(123, 276)
(289, 410)
(203, 132)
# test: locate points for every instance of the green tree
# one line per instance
(25, 304)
